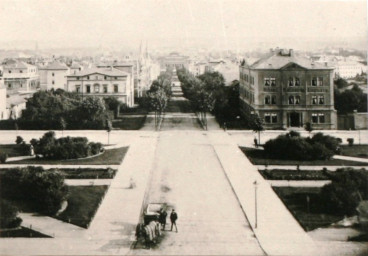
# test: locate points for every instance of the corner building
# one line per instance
(287, 91)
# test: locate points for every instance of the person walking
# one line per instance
(173, 218)
(256, 142)
(162, 218)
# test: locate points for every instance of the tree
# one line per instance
(341, 83)
(257, 126)
(62, 124)
(19, 140)
(158, 101)
(8, 215)
(108, 129)
(308, 127)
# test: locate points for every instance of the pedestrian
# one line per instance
(256, 142)
(173, 218)
(162, 218)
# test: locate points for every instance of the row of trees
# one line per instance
(350, 99)
(159, 95)
(57, 109)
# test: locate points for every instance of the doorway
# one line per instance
(294, 119)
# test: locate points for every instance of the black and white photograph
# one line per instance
(183, 127)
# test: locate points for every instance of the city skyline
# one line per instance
(214, 24)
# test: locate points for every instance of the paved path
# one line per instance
(350, 158)
(277, 230)
(306, 167)
(298, 183)
(60, 166)
(87, 182)
(189, 178)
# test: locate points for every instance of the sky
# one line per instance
(209, 23)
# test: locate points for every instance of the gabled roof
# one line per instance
(102, 71)
(114, 64)
(280, 59)
(18, 64)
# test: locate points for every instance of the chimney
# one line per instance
(291, 52)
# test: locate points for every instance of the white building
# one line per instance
(3, 112)
(53, 76)
(20, 76)
(349, 69)
(103, 82)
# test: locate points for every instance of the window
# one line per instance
(88, 77)
(53, 82)
(53, 74)
(314, 118)
(267, 118)
(105, 77)
(21, 71)
(273, 81)
(291, 100)
(96, 77)
(267, 100)
(291, 81)
(321, 100)
(267, 82)
(320, 81)
(88, 89)
(297, 100)
(274, 118)
(321, 118)
(116, 78)
(77, 77)
(9, 85)
(77, 88)
(97, 88)
(314, 100)
(116, 88)
(9, 71)
(297, 81)
(105, 88)
(314, 81)
(273, 100)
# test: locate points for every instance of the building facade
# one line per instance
(288, 91)
(20, 76)
(53, 76)
(103, 82)
(174, 60)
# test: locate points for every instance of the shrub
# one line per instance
(350, 141)
(3, 157)
(19, 140)
(347, 189)
(293, 146)
(65, 147)
(8, 215)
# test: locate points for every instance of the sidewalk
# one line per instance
(299, 183)
(277, 231)
(87, 182)
(350, 158)
(306, 167)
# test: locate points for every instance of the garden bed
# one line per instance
(309, 215)
(22, 232)
(277, 174)
(257, 157)
(355, 150)
(12, 150)
(83, 203)
(129, 122)
(110, 157)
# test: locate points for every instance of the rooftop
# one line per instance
(18, 64)
(280, 58)
(56, 65)
(103, 71)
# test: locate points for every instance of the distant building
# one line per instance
(20, 76)
(53, 76)
(349, 69)
(3, 112)
(288, 91)
(174, 60)
(103, 82)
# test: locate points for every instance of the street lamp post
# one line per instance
(255, 183)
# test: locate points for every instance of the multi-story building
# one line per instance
(53, 76)
(103, 82)
(288, 91)
(174, 60)
(3, 113)
(349, 69)
(20, 76)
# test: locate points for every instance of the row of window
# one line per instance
(293, 81)
(270, 100)
(316, 100)
(96, 88)
(96, 78)
(317, 118)
(247, 78)
(21, 71)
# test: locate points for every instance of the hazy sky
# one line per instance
(65, 23)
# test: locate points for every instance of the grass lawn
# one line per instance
(11, 149)
(355, 150)
(129, 122)
(83, 202)
(295, 199)
(257, 157)
(22, 232)
(110, 157)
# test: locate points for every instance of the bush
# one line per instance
(347, 189)
(294, 147)
(65, 148)
(19, 140)
(3, 157)
(8, 215)
(350, 141)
